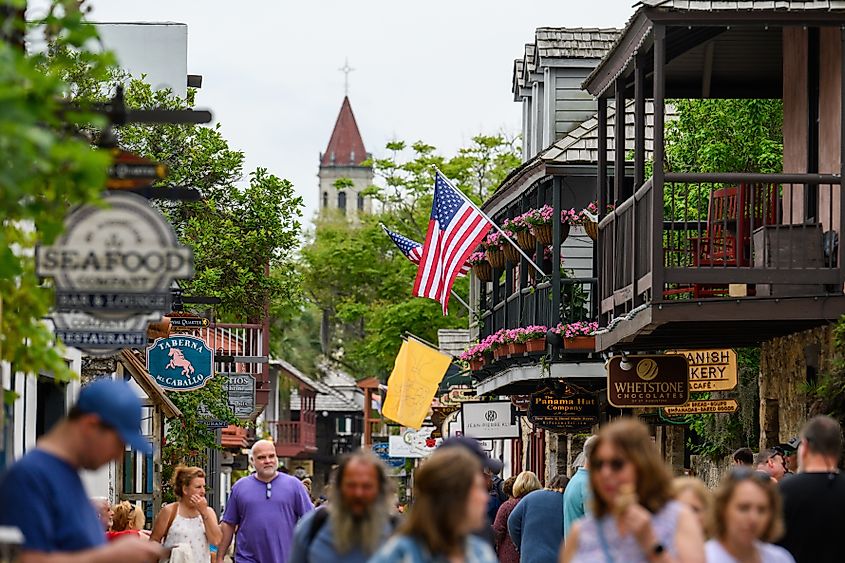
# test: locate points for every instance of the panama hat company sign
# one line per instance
(647, 381)
(180, 363)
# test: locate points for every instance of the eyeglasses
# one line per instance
(616, 464)
(743, 473)
(269, 490)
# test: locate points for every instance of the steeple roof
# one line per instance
(346, 148)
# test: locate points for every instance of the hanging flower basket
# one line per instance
(592, 229)
(526, 240)
(476, 364)
(496, 258)
(536, 345)
(580, 343)
(511, 253)
(483, 271)
(544, 233)
(516, 348)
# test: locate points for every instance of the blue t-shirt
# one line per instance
(575, 499)
(43, 497)
(321, 549)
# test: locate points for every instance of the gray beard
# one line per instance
(363, 531)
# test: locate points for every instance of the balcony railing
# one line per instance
(714, 236)
(240, 346)
(294, 437)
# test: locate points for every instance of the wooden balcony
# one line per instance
(240, 348)
(294, 438)
(700, 260)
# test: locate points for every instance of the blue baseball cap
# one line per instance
(117, 405)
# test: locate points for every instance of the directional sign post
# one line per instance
(188, 324)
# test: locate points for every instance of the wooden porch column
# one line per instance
(639, 121)
(841, 259)
(605, 284)
(619, 141)
(554, 316)
(659, 32)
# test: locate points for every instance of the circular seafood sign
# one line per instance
(115, 261)
(180, 362)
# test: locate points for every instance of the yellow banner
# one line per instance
(413, 382)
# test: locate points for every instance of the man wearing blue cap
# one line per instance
(42, 494)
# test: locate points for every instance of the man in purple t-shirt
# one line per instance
(264, 509)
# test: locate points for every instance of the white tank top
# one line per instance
(190, 532)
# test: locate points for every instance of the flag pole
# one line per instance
(503, 233)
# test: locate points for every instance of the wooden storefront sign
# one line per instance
(567, 408)
(647, 381)
(711, 370)
(703, 407)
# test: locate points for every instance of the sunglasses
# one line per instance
(269, 491)
(616, 464)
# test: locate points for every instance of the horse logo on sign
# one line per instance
(180, 362)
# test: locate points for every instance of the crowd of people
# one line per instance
(620, 505)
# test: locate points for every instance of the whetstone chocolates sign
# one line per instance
(647, 381)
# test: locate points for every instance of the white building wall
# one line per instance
(157, 50)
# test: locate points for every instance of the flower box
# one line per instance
(500, 352)
(476, 364)
(526, 240)
(516, 348)
(536, 345)
(496, 258)
(483, 271)
(582, 343)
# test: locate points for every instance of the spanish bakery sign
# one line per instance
(647, 381)
(180, 363)
(113, 265)
(710, 370)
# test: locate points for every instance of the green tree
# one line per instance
(47, 168)
(358, 280)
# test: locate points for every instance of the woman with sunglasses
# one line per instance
(633, 517)
(747, 514)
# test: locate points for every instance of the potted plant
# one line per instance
(534, 337)
(493, 243)
(474, 356)
(524, 233)
(589, 219)
(541, 223)
(480, 266)
(579, 336)
(516, 347)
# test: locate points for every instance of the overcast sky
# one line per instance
(437, 71)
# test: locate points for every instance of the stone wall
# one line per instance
(708, 470)
(786, 366)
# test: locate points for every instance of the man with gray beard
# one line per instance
(357, 519)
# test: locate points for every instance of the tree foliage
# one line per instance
(47, 168)
(361, 283)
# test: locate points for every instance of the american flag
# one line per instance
(454, 230)
(413, 250)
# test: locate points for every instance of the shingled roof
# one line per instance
(346, 147)
(764, 5)
(573, 42)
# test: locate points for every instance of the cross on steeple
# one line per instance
(346, 69)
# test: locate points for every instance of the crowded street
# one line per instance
(567, 285)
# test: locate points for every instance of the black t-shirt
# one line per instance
(814, 514)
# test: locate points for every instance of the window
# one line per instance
(341, 201)
(360, 202)
(325, 199)
(343, 425)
